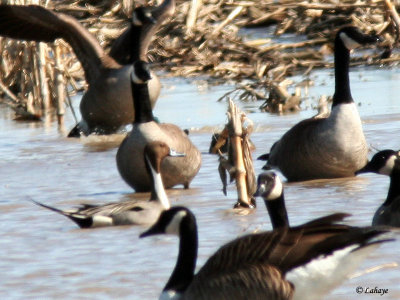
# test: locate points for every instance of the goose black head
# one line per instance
(142, 15)
(140, 72)
(352, 37)
(269, 186)
(382, 162)
(169, 222)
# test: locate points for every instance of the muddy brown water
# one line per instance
(45, 256)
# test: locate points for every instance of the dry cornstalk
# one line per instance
(219, 50)
(59, 82)
(239, 163)
(394, 14)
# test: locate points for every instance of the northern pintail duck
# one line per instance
(107, 104)
(268, 265)
(387, 162)
(128, 212)
(145, 129)
(333, 146)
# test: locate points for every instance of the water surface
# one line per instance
(45, 256)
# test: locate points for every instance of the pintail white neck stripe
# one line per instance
(348, 42)
(159, 187)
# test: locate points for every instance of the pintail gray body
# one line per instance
(128, 212)
(332, 146)
(107, 104)
(387, 162)
(130, 153)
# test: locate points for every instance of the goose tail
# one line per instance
(75, 132)
(263, 157)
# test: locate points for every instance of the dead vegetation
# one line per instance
(205, 37)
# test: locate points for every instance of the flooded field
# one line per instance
(45, 256)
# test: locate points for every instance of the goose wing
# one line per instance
(288, 144)
(284, 249)
(134, 42)
(256, 282)
(36, 23)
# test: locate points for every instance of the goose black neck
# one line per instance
(136, 33)
(394, 188)
(342, 82)
(142, 104)
(183, 272)
(277, 212)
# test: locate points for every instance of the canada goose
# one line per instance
(387, 162)
(130, 153)
(269, 265)
(270, 188)
(129, 212)
(333, 146)
(107, 104)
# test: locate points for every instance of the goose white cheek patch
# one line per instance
(388, 167)
(349, 43)
(135, 20)
(276, 191)
(173, 226)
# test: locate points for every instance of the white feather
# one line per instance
(276, 191)
(135, 19)
(348, 42)
(174, 225)
(159, 187)
(99, 221)
(170, 295)
(319, 276)
(388, 167)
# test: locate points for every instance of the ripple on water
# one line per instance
(45, 255)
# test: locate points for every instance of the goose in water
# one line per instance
(269, 265)
(333, 146)
(107, 104)
(130, 153)
(128, 212)
(270, 188)
(387, 162)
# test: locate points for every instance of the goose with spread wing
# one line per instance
(107, 104)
